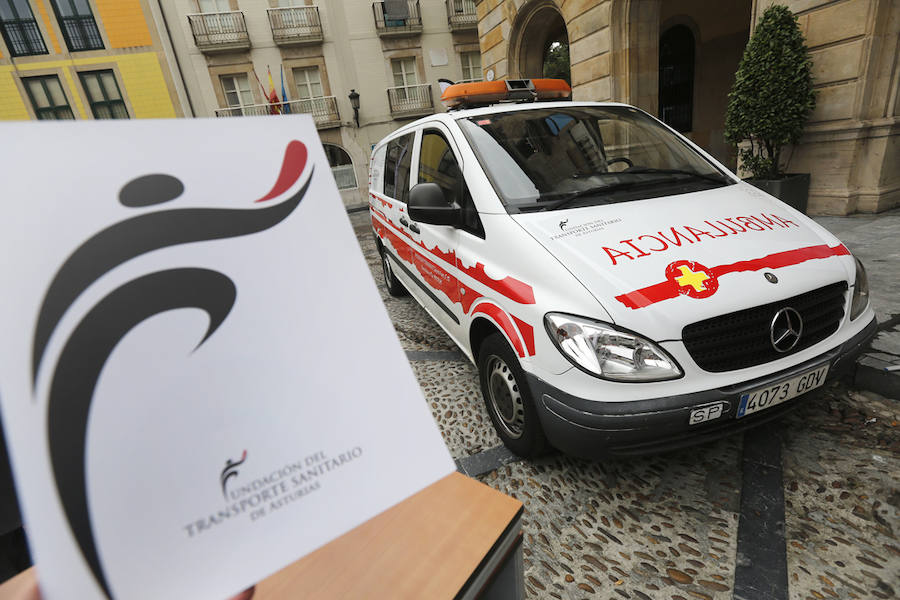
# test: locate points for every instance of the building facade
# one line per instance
(83, 59)
(390, 53)
(677, 60)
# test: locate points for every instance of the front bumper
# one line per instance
(597, 429)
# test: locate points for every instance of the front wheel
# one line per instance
(507, 398)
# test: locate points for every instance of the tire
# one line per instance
(393, 285)
(508, 400)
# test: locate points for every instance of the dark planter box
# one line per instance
(793, 190)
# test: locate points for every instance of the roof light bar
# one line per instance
(483, 93)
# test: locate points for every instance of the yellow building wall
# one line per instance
(12, 105)
(142, 82)
(124, 22)
(48, 26)
(142, 76)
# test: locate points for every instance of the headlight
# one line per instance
(607, 352)
(860, 291)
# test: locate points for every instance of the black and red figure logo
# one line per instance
(230, 470)
(89, 346)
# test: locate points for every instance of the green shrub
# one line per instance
(772, 94)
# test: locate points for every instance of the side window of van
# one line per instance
(376, 171)
(437, 164)
(396, 167)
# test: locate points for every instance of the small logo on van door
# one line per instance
(563, 224)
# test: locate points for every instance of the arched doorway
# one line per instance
(540, 43)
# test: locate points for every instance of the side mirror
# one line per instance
(428, 205)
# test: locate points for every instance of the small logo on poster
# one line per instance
(269, 490)
(230, 470)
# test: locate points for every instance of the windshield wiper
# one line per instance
(569, 197)
(715, 177)
(600, 190)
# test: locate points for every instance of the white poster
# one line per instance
(198, 379)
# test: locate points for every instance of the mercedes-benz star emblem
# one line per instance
(770, 277)
(787, 325)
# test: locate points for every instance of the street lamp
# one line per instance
(354, 102)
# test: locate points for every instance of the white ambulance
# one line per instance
(620, 291)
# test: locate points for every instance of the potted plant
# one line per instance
(769, 103)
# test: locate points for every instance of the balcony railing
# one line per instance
(411, 100)
(461, 15)
(295, 25)
(397, 18)
(81, 33)
(219, 32)
(23, 38)
(324, 110)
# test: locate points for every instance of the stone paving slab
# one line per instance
(842, 497)
(656, 527)
(452, 392)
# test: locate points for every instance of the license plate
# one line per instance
(771, 395)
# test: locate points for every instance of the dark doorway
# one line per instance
(676, 77)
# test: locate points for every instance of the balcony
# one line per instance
(461, 15)
(397, 18)
(23, 38)
(410, 101)
(81, 33)
(324, 110)
(295, 26)
(220, 32)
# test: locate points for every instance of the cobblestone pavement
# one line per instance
(666, 527)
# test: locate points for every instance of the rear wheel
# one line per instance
(508, 399)
(394, 287)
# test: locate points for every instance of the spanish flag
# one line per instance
(274, 101)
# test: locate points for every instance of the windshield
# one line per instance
(547, 158)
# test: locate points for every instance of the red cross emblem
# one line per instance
(692, 279)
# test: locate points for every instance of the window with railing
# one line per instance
(104, 95)
(20, 31)
(237, 93)
(397, 17)
(47, 98)
(412, 99)
(295, 24)
(79, 28)
(308, 82)
(324, 110)
(461, 14)
(219, 31)
(404, 71)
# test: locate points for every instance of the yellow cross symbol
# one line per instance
(689, 278)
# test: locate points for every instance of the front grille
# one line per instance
(742, 339)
